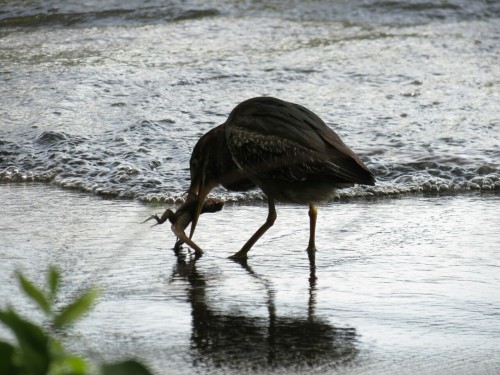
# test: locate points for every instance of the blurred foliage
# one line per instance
(38, 352)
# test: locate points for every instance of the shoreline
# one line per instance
(257, 197)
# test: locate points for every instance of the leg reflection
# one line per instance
(312, 283)
(231, 339)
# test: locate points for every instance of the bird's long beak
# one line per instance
(200, 199)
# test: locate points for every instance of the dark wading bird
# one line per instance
(284, 149)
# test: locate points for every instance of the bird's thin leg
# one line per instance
(313, 214)
(271, 218)
(182, 238)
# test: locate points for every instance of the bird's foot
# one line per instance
(198, 253)
(311, 246)
(240, 256)
(178, 247)
(311, 249)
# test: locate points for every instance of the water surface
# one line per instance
(102, 103)
(397, 286)
(110, 97)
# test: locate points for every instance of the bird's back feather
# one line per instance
(272, 139)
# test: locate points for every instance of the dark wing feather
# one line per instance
(273, 139)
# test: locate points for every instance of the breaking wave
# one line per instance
(126, 167)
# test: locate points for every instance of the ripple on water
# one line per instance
(109, 166)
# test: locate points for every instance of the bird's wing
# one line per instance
(274, 139)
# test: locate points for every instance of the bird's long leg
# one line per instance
(179, 232)
(313, 214)
(271, 218)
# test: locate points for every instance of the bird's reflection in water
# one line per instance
(237, 342)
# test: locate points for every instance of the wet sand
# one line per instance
(407, 285)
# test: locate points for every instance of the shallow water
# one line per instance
(106, 100)
(398, 285)
(110, 97)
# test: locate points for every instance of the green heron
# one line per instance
(282, 148)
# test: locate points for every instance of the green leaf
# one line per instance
(76, 309)
(33, 343)
(77, 365)
(7, 362)
(68, 365)
(53, 277)
(64, 363)
(34, 293)
(129, 367)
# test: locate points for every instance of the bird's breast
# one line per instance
(300, 192)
